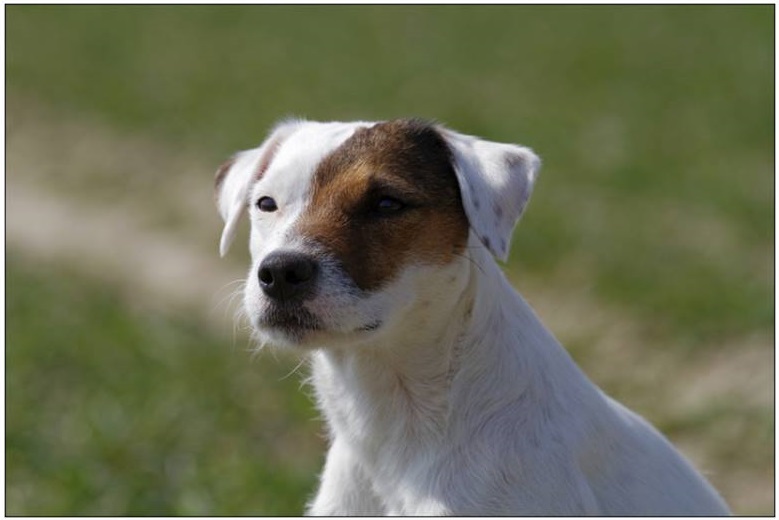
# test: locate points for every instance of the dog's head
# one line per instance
(353, 223)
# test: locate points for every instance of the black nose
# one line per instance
(287, 276)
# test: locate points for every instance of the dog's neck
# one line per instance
(402, 385)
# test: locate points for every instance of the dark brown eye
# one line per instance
(267, 204)
(388, 205)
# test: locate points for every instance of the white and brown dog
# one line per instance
(372, 247)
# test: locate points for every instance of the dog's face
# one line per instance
(353, 223)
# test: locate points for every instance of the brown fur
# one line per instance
(404, 159)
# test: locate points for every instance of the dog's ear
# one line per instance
(496, 181)
(236, 176)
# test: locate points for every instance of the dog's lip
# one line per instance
(293, 324)
(290, 319)
(298, 320)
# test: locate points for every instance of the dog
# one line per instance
(373, 249)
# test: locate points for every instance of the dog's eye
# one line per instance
(267, 204)
(388, 205)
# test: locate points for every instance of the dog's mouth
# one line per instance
(300, 325)
(293, 321)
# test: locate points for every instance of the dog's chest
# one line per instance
(398, 439)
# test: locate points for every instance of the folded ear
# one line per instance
(496, 181)
(236, 176)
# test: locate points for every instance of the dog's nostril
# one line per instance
(299, 273)
(266, 276)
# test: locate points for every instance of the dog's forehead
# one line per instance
(289, 175)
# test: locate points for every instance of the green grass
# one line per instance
(113, 410)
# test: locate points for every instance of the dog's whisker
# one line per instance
(300, 364)
(231, 295)
(238, 280)
(240, 322)
(229, 285)
(256, 345)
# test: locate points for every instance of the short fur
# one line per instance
(443, 391)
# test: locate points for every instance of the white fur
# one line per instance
(495, 181)
(462, 402)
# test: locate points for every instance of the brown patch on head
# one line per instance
(401, 160)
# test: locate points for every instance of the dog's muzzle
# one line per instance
(288, 279)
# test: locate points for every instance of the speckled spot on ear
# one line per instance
(476, 202)
(469, 311)
(497, 210)
(486, 241)
(514, 160)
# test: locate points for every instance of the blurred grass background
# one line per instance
(648, 247)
